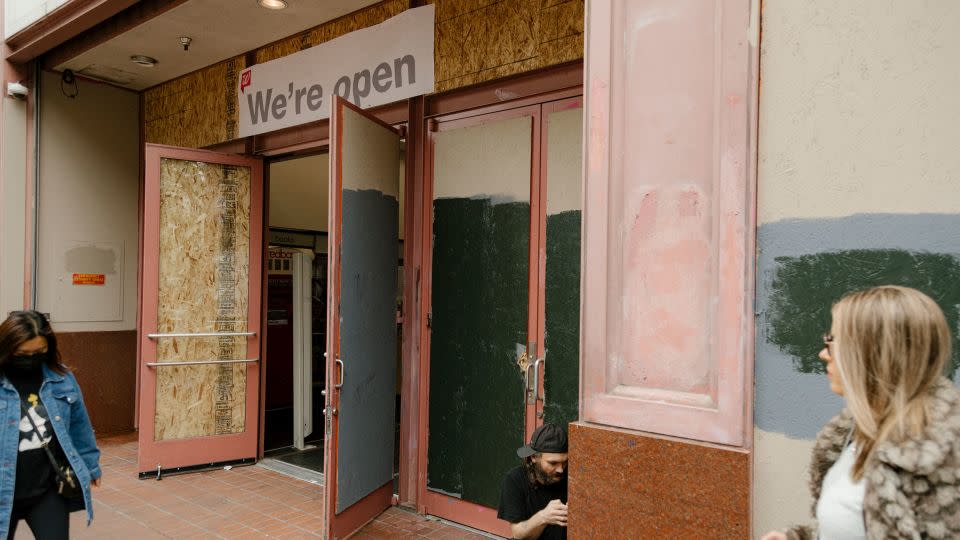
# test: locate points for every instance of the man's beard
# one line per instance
(538, 476)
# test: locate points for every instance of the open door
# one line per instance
(200, 319)
(362, 331)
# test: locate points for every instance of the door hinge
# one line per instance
(430, 319)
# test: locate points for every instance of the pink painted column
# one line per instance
(668, 242)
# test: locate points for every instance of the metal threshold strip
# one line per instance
(291, 470)
(161, 472)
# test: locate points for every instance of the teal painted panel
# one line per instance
(804, 288)
(562, 371)
(479, 313)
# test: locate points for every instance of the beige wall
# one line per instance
(13, 191)
(88, 205)
(299, 197)
(298, 193)
(463, 167)
(859, 123)
(564, 161)
(858, 108)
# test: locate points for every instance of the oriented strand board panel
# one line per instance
(195, 110)
(204, 272)
(476, 41)
(375, 14)
(482, 40)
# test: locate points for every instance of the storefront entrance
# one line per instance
(203, 262)
(496, 270)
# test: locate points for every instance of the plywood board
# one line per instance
(196, 110)
(476, 41)
(325, 32)
(204, 265)
(479, 40)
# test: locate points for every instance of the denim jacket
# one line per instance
(61, 396)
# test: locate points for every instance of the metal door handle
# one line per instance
(340, 384)
(536, 380)
(529, 355)
(202, 334)
(203, 362)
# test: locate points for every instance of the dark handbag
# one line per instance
(68, 485)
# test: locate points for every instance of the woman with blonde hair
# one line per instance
(888, 466)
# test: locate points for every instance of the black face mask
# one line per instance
(25, 362)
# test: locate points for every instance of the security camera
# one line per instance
(17, 90)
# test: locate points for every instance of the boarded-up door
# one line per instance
(200, 318)
(361, 363)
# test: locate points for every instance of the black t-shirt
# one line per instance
(520, 499)
(35, 474)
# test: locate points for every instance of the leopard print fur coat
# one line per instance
(913, 487)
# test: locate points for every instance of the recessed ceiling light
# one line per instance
(144, 61)
(272, 4)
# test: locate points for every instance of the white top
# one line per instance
(840, 508)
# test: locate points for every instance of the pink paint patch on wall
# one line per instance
(668, 218)
(670, 254)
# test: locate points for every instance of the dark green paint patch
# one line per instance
(562, 373)
(804, 289)
(479, 308)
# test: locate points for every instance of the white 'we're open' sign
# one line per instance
(374, 66)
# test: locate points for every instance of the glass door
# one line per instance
(483, 302)
(200, 318)
(561, 191)
(504, 295)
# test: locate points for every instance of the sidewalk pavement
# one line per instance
(241, 503)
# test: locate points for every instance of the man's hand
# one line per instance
(555, 513)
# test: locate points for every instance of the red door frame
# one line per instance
(546, 109)
(210, 449)
(428, 502)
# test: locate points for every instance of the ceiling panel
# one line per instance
(220, 29)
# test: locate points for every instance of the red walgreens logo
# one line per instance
(245, 78)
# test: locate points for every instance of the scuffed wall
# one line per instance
(298, 193)
(475, 41)
(88, 206)
(858, 172)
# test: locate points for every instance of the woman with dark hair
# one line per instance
(54, 449)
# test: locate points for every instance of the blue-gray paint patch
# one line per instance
(368, 344)
(791, 398)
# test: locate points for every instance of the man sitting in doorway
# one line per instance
(533, 498)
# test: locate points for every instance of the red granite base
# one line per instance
(631, 485)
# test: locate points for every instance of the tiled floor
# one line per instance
(244, 502)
